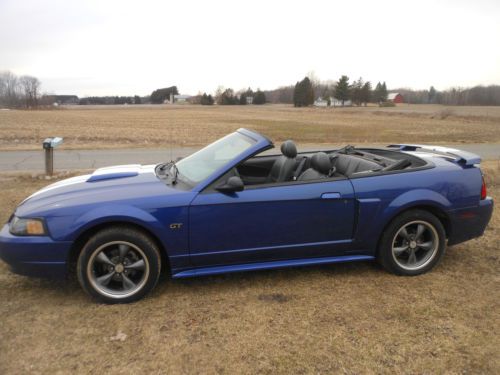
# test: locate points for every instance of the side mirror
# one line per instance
(232, 185)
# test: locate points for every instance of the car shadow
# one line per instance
(69, 290)
(236, 280)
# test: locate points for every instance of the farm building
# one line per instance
(177, 99)
(395, 97)
(320, 102)
(181, 98)
(338, 103)
(334, 102)
(60, 99)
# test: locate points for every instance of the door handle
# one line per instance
(330, 196)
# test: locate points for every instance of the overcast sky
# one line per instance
(132, 47)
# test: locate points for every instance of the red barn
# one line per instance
(395, 97)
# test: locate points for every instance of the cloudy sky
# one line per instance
(107, 47)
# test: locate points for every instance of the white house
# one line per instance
(320, 102)
(338, 103)
(334, 102)
(181, 98)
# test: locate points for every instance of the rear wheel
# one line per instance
(119, 265)
(412, 244)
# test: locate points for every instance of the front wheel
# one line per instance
(119, 265)
(412, 244)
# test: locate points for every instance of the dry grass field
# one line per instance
(182, 125)
(345, 318)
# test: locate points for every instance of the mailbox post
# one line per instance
(49, 144)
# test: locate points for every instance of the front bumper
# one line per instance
(469, 223)
(38, 256)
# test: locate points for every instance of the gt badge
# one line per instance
(175, 226)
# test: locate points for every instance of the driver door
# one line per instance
(273, 222)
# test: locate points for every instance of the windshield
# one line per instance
(198, 166)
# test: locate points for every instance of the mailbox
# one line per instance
(49, 144)
(52, 142)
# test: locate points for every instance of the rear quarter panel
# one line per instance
(446, 186)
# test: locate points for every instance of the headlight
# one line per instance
(27, 227)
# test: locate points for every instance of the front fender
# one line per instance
(157, 222)
(113, 213)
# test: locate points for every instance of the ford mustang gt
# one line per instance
(234, 207)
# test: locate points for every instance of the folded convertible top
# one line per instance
(460, 156)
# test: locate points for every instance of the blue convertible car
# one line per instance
(228, 207)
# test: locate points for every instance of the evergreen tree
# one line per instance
(356, 91)
(296, 95)
(342, 89)
(228, 98)
(160, 95)
(366, 93)
(206, 99)
(303, 95)
(309, 92)
(243, 96)
(432, 95)
(376, 92)
(380, 93)
(259, 97)
(383, 93)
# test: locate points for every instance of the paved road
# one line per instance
(86, 159)
(33, 161)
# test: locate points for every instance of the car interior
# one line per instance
(347, 162)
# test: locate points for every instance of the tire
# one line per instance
(119, 264)
(412, 244)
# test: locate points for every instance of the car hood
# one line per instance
(106, 185)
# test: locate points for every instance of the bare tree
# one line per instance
(3, 89)
(31, 87)
(9, 89)
(16, 92)
(313, 77)
(218, 93)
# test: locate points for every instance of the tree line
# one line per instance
(24, 91)
(227, 96)
(110, 100)
(17, 92)
(359, 92)
(303, 93)
(160, 96)
(477, 95)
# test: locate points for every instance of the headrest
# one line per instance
(321, 162)
(289, 149)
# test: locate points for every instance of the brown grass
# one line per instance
(350, 318)
(158, 126)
